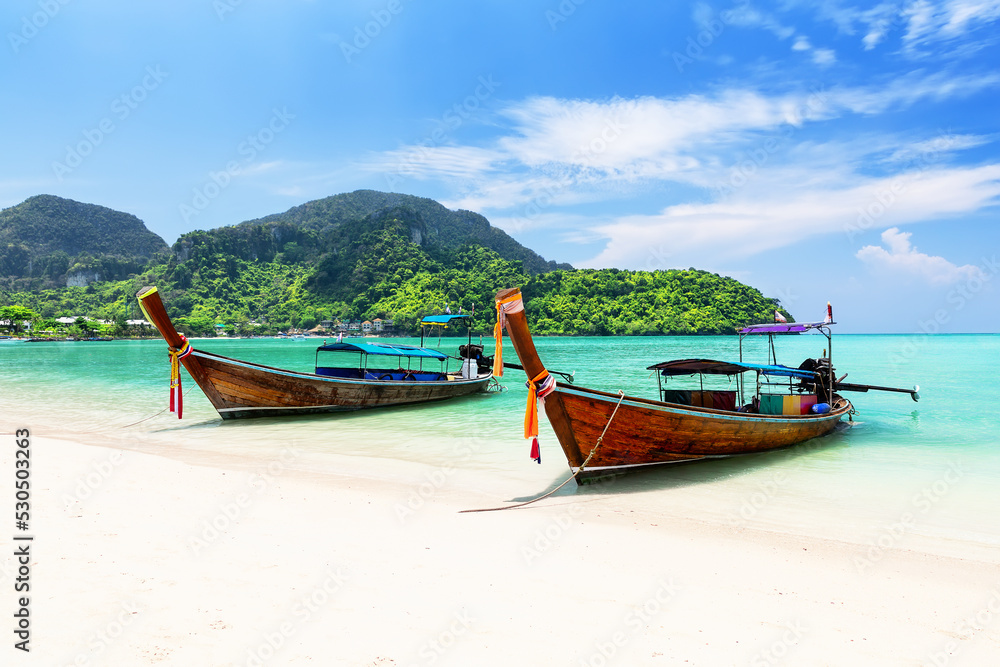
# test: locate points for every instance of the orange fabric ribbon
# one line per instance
(498, 333)
(498, 341)
(531, 413)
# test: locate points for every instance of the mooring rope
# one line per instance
(621, 397)
(155, 414)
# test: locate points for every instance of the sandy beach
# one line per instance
(147, 559)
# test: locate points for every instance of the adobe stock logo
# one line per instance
(381, 18)
(47, 10)
(249, 149)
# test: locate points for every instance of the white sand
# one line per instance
(301, 569)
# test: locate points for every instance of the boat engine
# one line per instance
(824, 378)
(474, 352)
(470, 351)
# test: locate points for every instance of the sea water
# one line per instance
(900, 474)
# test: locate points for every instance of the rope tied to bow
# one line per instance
(621, 397)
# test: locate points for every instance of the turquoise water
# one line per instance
(932, 467)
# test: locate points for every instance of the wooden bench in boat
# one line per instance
(718, 400)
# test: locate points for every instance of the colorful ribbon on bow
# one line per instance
(539, 387)
(176, 395)
(511, 304)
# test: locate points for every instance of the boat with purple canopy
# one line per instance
(706, 408)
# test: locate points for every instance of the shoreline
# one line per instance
(489, 335)
(235, 561)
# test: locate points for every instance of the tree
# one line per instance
(120, 327)
(83, 326)
(16, 316)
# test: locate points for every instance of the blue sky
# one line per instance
(816, 150)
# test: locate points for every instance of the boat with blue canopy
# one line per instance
(350, 375)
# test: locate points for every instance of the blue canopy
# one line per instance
(712, 367)
(442, 320)
(386, 349)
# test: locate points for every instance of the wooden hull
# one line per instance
(240, 389)
(647, 433)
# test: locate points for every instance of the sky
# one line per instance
(819, 151)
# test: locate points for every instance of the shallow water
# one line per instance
(903, 474)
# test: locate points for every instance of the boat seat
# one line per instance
(785, 404)
(717, 400)
(678, 396)
(380, 374)
(350, 373)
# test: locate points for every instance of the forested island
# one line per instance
(352, 257)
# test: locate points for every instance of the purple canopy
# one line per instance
(778, 327)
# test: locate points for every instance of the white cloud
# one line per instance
(702, 13)
(575, 227)
(644, 136)
(963, 13)
(746, 16)
(777, 213)
(562, 151)
(436, 161)
(900, 257)
(578, 142)
(920, 20)
(932, 150)
(909, 89)
(528, 195)
(929, 22)
(262, 168)
(874, 36)
(878, 20)
(922, 23)
(824, 57)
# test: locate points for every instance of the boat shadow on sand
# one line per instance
(692, 473)
(340, 418)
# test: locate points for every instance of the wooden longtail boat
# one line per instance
(240, 389)
(604, 434)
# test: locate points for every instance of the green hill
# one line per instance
(331, 225)
(47, 241)
(610, 301)
(367, 254)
